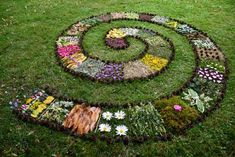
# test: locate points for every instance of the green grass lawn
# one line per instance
(28, 31)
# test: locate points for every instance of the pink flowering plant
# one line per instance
(68, 50)
(178, 107)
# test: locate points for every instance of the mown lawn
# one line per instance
(28, 30)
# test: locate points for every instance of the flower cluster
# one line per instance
(211, 75)
(118, 15)
(155, 63)
(145, 33)
(68, 50)
(136, 69)
(81, 27)
(118, 115)
(34, 105)
(130, 31)
(204, 43)
(157, 42)
(74, 61)
(145, 17)
(121, 130)
(67, 40)
(78, 28)
(105, 18)
(111, 71)
(116, 33)
(91, 21)
(131, 15)
(172, 24)
(160, 19)
(37, 108)
(117, 43)
(90, 67)
(15, 104)
(215, 65)
(185, 29)
(57, 111)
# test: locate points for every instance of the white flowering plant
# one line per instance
(113, 123)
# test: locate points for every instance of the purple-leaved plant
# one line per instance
(117, 43)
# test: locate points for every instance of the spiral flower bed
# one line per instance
(160, 119)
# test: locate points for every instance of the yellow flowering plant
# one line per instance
(38, 110)
(29, 100)
(48, 100)
(155, 63)
(74, 60)
(172, 24)
(35, 105)
(116, 33)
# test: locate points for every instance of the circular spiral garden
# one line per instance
(171, 113)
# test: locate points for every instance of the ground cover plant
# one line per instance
(36, 66)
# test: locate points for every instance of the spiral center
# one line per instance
(142, 53)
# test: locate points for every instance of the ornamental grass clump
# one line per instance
(145, 121)
(177, 115)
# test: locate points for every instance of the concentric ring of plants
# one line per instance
(168, 115)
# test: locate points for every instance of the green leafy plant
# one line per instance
(216, 65)
(207, 87)
(200, 101)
